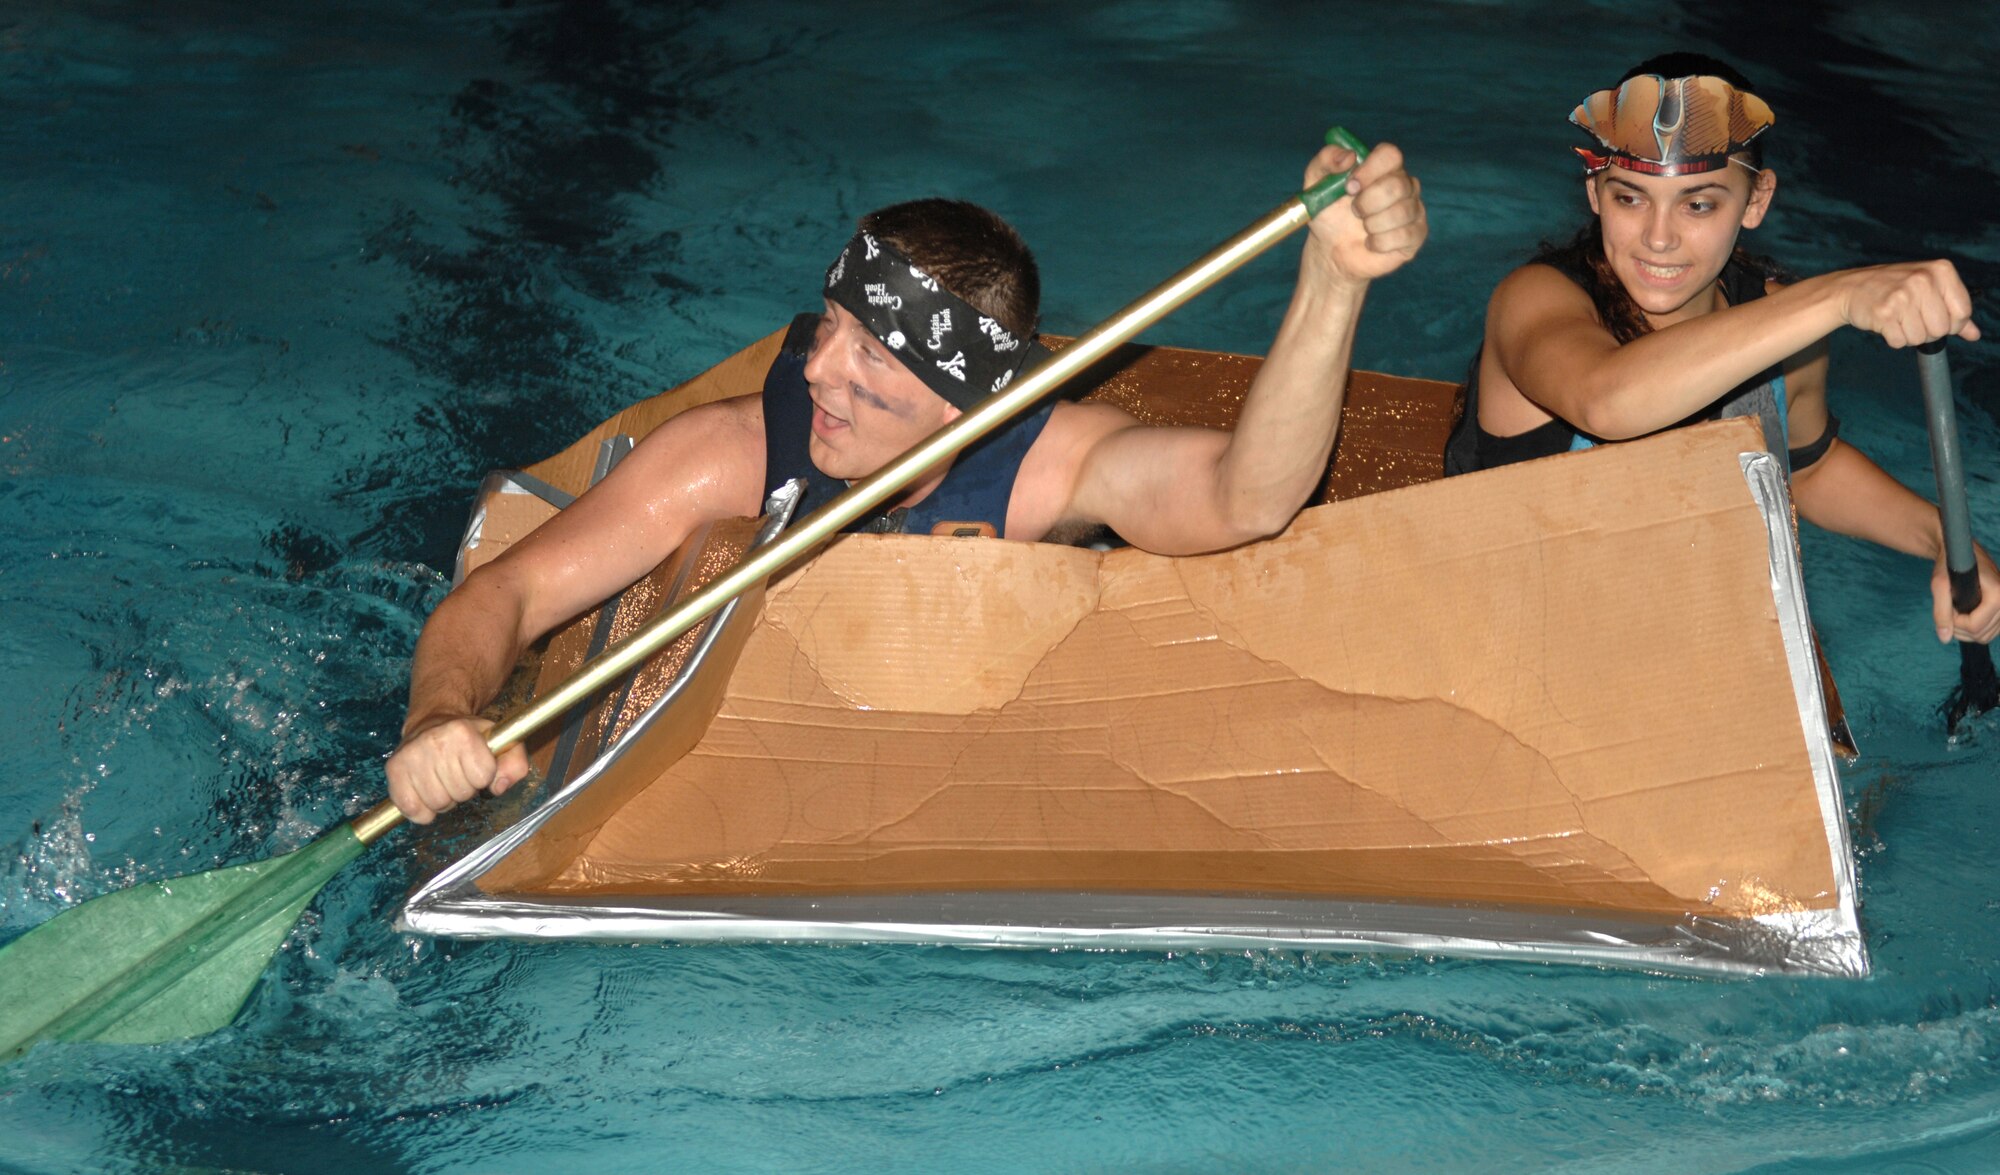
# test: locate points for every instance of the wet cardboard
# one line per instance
(1422, 695)
(1425, 695)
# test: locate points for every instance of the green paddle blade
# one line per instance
(160, 961)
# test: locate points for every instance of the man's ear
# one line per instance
(1762, 189)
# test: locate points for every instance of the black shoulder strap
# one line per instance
(1461, 449)
(1741, 283)
(788, 419)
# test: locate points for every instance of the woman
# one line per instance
(1653, 317)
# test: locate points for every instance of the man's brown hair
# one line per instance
(971, 252)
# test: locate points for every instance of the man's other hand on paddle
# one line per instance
(444, 763)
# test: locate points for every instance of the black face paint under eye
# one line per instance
(872, 400)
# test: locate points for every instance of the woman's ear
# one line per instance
(1761, 191)
(1590, 192)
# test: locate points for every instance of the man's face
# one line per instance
(867, 407)
(1668, 237)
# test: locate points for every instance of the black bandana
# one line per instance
(958, 352)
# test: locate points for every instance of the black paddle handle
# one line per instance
(1965, 593)
(1978, 686)
(1935, 372)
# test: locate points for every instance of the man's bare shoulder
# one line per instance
(733, 414)
(707, 461)
(718, 429)
(1074, 429)
(1075, 420)
(703, 464)
(1047, 479)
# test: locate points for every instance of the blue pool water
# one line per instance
(278, 284)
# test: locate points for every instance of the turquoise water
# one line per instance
(277, 286)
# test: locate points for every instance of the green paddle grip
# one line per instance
(1333, 187)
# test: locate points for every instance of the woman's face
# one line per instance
(1667, 237)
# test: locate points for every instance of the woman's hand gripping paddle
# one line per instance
(1978, 689)
(173, 959)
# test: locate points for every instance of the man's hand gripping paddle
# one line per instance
(173, 959)
(1978, 689)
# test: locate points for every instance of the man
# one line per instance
(927, 310)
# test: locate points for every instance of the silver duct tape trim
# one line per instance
(1833, 937)
(1813, 942)
(506, 481)
(609, 453)
(459, 881)
(1154, 922)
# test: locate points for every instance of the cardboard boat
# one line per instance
(1567, 710)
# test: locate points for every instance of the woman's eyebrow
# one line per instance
(1687, 191)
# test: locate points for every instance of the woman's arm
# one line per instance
(1847, 493)
(1546, 336)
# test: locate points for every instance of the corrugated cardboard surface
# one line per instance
(1558, 684)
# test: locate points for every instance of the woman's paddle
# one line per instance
(1978, 689)
(177, 958)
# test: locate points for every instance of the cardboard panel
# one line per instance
(1423, 695)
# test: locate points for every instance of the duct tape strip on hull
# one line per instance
(1166, 922)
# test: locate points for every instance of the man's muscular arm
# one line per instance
(704, 464)
(1185, 490)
